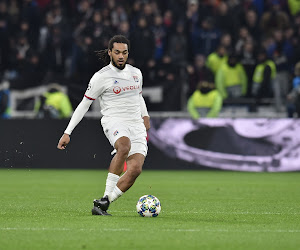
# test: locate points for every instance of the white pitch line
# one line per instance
(216, 212)
(209, 212)
(137, 230)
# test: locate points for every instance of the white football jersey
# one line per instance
(118, 92)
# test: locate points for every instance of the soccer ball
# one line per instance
(148, 206)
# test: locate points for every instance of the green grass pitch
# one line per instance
(51, 209)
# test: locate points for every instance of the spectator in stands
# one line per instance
(289, 37)
(31, 74)
(54, 104)
(45, 31)
(59, 18)
(250, 21)
(13, 11)
(59, 31)
(281, 52)
(205, 39)
(178, 8)
(248, 60)
(166, 70)
(98, 30)
(177, 48)
(206, 101)
(224, 21)
(282, 45)
(160, 37)
(30, 12)
(241, 39)
(167, 75)
(83, 60)
(192, 15)
(226, 41)
(264, 74)
(124, 29)
(168, 21)
(293, 98)
(216, 59)
(231, 79)
(148, 13)
(84, 11)
(294, 7)
(283, 5)
(274, 19)
(142, 35)
(208, 8)
(19, 52)
(263, 77)
(118, 15)
(197, 72)
(24, 30)
(56, 52)
(134, 13)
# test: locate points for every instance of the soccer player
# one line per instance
(125, 120)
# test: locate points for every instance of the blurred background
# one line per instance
(199, 58)
(248, 49)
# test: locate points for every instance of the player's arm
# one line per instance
(144, 113)
(93, 91)
(77, 116)
(144, 110)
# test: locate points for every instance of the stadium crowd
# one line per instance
(176, 43)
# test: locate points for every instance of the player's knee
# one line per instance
(123, 146)
(123, 150)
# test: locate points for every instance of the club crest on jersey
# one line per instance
(135, 78)
(116, 132)
(115, 82)
(116, 90)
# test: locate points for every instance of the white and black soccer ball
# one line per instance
(148, 206)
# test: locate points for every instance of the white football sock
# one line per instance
(115, 194)
(111, 182)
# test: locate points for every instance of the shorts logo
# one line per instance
(117, 90)
(135, 78)
(116, 132)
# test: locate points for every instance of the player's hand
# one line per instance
(147, 122)
(63, 142)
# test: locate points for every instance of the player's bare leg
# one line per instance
(134, 168)
(122, 145)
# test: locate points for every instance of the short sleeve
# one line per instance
(96, 87)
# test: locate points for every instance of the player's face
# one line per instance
(119, 55)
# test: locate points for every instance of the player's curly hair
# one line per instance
(103, 54)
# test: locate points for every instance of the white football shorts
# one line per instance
(135, 132)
